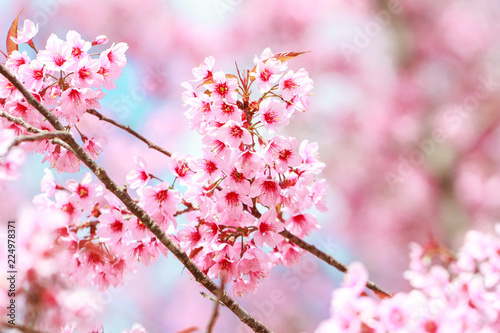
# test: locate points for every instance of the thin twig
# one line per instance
(33, 129)
(121, 193)
(215, 314)
(328, 259)
(39, 136)
(20, 121)
(129, 130)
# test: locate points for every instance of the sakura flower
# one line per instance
(266, 54)
(295, 84)
(223, 112)
(64, 160)
(272, 114)
(249, 162)
(139, 177)
(19, 109)
(179, 166)
(301, 224)
(143, 251)
(206, 168)
(267, 73)
(218, 147)
(86, 192)
(111, 226)
(16, 60)
(115, 56)
(74, 102)
(280, 153)
(269, 190)
(33, 74)
(69, 205)
(79, 46)
(309, 153)
(204, 71)
(234, 134)
(93, 147)
(236, 179)
(137, 228)
(268, 228)
(7, 88)
(225, 263)
(26, 33)
(223, 87)
(85, 72)
(231, 202)
(57, 54)
(189, 237)
(163, 199)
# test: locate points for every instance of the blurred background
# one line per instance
(405, 111)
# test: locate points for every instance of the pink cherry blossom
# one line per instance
(295, 84)
(233, 134)
(139, 177)
(223, 88)
(268, 227)
(204, 71)
(272, 114)
(26, 33)
(57, 54)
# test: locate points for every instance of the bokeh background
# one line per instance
(406, 108)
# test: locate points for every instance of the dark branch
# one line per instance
(129, 130)
(328, 259)
(215, 314)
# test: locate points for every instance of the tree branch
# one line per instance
(215, 313)
(328, 259)
(39, 136)
(33, 129)
(122, 194)
(129, 130)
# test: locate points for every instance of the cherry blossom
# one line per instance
(26, 33)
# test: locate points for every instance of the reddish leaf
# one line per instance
(288, 55)
(11, 46)
(284, 56)
(210, 80)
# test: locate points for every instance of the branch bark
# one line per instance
(55, 139)
(150, 144)
(122, 194)
(328, 259)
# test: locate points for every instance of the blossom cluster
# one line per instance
(246, 188)
(67, 78)
(101, 241)
(451, 293)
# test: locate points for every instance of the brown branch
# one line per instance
(215, 313)
(33, 129)
(20, 121)
(121, 193)
(129, 130)
(328, 259)
(39, 136)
